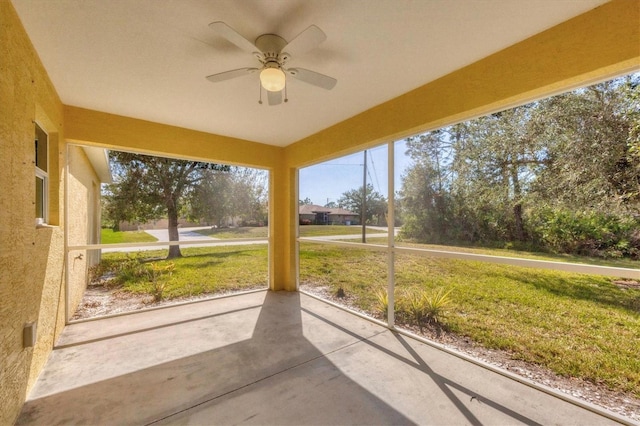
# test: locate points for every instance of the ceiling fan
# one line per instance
(273, 52)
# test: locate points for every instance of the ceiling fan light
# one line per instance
(272, 79)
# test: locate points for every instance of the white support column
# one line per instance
(65, 226)
(391, 235)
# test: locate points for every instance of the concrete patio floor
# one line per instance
(271, 358)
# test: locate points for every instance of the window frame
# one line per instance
(41, 175)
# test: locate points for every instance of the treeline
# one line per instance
(561, 174)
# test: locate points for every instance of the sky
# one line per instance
(326, 182)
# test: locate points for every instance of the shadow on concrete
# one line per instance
(443, 383)
(271, 358)
(258, 379)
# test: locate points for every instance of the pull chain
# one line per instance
(260, 90)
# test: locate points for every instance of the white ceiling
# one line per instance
(148, 58)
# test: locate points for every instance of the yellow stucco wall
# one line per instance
(31, 260)
(83, 219)
(113, 131)
(599, 44)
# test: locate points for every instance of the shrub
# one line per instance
(130, 269)
(425, 306)
(155, 274)
(588, 233)
(416, 308)
(252, 223)
(436, 304)
(382, 301)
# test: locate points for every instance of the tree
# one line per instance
(307, 201)
(592, 137)
(497, 158)
(375, 202)
(210, 201)
(148, 187)
(514, 175)
(235, 193)
(425, 194)
(249, 193)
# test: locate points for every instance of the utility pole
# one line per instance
(363, 213)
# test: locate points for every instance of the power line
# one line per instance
(375, 173)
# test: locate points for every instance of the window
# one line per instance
(42, 176)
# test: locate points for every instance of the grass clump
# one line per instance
(425, 306)
(130, 269)
(437, 303)
(156, 274)
(382, 302)
(140, 270)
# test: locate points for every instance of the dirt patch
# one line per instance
(623, 404)
(100, 300)
(627, 284)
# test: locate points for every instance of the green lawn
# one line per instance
(569, 258)
(326, 230)
(230, 233)
(201, 270)
(621, 263)
(109, 237)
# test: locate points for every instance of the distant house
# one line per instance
(311, 214)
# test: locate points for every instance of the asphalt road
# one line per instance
(188, 234)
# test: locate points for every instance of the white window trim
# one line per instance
(41, 174)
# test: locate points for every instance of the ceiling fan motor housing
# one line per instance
(270, 44)
(272, 63)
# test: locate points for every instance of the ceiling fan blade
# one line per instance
(228, 75)
(233, 36)
(274, 98)
(312, 77)
(305, 41)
